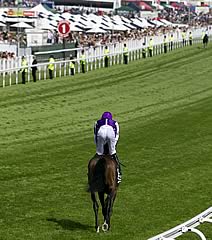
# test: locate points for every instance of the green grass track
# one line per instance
(164, 107)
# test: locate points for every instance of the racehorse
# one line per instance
(102, 179)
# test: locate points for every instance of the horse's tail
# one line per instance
(96, 175)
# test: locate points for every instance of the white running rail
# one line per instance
(189, 226)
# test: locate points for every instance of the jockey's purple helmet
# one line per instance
(107, 115)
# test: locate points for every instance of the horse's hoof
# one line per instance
(97, 230)
(105, 227)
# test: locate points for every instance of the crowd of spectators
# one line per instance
(185, 16)
(13, 37)
(82, 39)
(13, 3)
(182, 15)
(7, 55)
(87, 40)
(8, 37)
(81, 10)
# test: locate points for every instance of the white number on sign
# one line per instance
(63, 28)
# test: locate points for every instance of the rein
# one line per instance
(122, 164)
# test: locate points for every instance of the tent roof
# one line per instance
(165, 21)
(139, 23)
(48, 27)
(75, 28)
(157, 22)
(126, 20)
(2, 19)
(129, 25)
(145, 22)
(40, 8)
(119, 27)
(21, 25)
(96, 30)
(2, 24)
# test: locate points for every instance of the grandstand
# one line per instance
(113, 4)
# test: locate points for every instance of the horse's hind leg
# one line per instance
(95, 208)
(109, 207)
(102, 201)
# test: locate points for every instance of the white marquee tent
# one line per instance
(2, 24)
(91, 22)
(41, 9)
(96, 30)
(21, 25)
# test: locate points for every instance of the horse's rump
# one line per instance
(102, 174)
(110, 173)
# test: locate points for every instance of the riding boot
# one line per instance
(119, 172)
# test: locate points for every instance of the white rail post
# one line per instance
(4, 64)
(55, 70)
(131, 55)
(103, 58)
(118, 54)
(10, 78)
(188, 226)
(114, 54)
(137, 49)
(16, 72)
(3, 79)
(86, 60)
(45, 69)
(208, 220)
(95, 58)
(198, 232)
(28, 73)
(64, 69)
(100, 54)
(10, 74)
(69, 69)
(90, 59)
(39, 73)
(60, 69)
(110, 56)
(78, 57)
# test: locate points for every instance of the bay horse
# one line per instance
(102, 179)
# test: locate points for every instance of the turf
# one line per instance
(163, 105)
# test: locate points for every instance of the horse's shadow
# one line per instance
(70, 225)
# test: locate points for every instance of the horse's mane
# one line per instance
(102, 174)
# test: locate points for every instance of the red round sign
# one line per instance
(64, 28)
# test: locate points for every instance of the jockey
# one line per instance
(106, 131)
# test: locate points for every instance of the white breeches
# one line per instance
(106, 135)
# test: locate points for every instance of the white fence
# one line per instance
(14, 62)
(132, 44)
(189, 226)
(94, 59)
